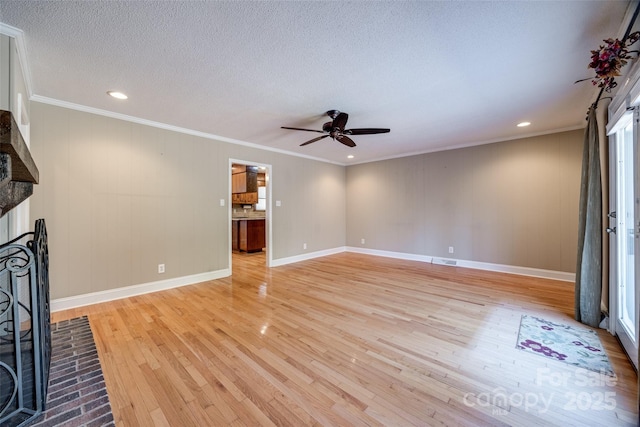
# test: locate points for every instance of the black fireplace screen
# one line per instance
(25, 333)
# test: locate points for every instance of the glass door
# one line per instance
(624, 242)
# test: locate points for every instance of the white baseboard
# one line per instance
(303, 257)
(523, 271)
(145, 288)
(129, 291)
(389, 254)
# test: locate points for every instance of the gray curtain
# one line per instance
(589, 267)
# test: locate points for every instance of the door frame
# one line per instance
(623, 121)
(268, 211)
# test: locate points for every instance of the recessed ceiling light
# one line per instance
(523, 124)
(350, 156)
(118, 95)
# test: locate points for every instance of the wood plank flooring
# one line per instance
(349, 339)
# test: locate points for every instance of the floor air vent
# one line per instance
(442, 261)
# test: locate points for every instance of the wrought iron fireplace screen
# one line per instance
(25, 331)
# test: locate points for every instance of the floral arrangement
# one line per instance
(609, 59)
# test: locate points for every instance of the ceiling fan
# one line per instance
(335, 129)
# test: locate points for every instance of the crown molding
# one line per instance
(18, 36)
(151, 123)
(10, 31)
(473, 144)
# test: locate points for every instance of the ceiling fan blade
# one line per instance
(346, 140)
(366, 131)
(340, 121)
(313, 140)
(307, 130)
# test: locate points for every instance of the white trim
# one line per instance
(470, 144)
(151, 123)
(19, 216)
(129, 291)
(389, 254)
(634, 94)
(523, 271)
(619, 119)
(304, 257)
(125, 117)
(613, 247)
(145, 288)
(268, 212)
(511, 269)
(22, 118)
(10, 31)
(18, 36)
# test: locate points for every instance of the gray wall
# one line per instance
(513, 203)
(119, 198)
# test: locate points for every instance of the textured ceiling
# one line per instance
(439, 74)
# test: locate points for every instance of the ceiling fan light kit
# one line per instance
(336, 129)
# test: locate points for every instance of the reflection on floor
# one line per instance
(349, 339)
(247, 260)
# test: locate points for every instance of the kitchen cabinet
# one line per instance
(235, 226)
(248, 235)
(239, 183)
(244, 198)
(245, 181)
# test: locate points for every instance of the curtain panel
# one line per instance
(589, 266)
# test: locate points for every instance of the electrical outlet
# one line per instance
(362, 241)
(160, 268)
(450, 249)
(304, 246)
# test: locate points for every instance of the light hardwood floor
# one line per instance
(349, 339)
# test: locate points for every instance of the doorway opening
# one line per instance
(250, 212)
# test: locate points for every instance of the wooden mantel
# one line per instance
(23, 168)
(18, 171)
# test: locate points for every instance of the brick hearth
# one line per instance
(77, 394)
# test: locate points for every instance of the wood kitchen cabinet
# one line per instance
(235, 227)
(248, 235)
(239, 183)
(244, 198)
(244, 180)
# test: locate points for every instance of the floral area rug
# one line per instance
(576, 346)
